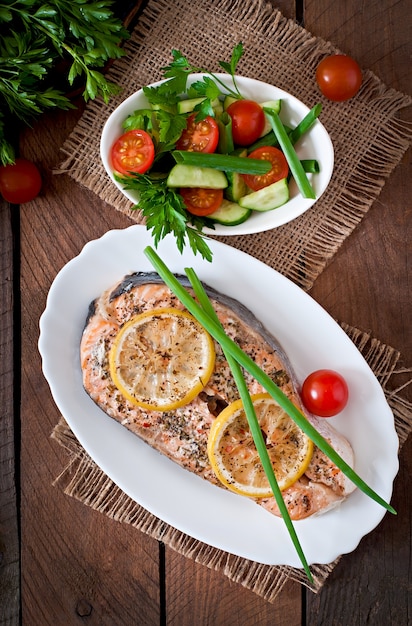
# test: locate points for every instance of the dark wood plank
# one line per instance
(78, 565)
(75, 562)
(198, 595)
(9, 540)
(368, 284)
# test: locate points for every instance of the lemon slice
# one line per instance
(161, 359)
(233, 455)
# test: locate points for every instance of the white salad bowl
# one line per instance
(315, 144)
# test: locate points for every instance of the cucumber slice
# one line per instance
(275, 105)
(268, 198)
(237, 187)
(165, 107)
(230, 214)
(228, 101)
(188, 105)
(182, 175)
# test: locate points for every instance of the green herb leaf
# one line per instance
(164, 212)
(178, 71)
(206, 87)
(162, 95)
(34, 37)
(237, 53)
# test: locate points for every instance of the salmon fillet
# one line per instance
(182, 434)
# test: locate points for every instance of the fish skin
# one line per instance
(182, 434)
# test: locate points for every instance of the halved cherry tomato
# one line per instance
(339, 77)
(133, 152)
(279, 169)
(325, 393)
(20, 182)
(200, 201)
(248, 121)
(200, 136)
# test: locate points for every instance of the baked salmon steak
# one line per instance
(142, 306)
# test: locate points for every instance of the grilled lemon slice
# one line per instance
(161, 359)
(233, 455)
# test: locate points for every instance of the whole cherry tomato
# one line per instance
(248, 121)
(20, 182)
(325, 393)
(339, 77)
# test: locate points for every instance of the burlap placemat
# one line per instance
(369, 141)
(85, 481)
(368, 138)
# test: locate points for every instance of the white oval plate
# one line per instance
(311, 338)
(316, 144)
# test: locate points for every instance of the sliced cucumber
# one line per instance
(165, 107)
(237, 187)
(182, 175)
(188, 105)
(275, 105)
(268, 198)
(230, 214)
(228, 101)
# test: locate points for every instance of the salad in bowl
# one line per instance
(202, 153)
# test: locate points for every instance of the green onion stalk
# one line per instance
(236, 358)
(252, 421)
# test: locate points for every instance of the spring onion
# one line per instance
(311, 166)
(223, 162)
(292, 158)
(305, 124)
(249, 365)
(252, 420)
(225, 145)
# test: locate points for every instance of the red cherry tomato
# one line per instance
(325, 393)
(279, 169)
(200, 201)
(200, 136)
(339, 77)
(20, 182)
(248, 121)
(133, 152)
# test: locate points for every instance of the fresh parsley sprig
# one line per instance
(209, 88)
(37, 36)
(164, 213)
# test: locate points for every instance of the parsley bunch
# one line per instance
(36, 36)
(161, 206)
(210, 88)
(164, 211)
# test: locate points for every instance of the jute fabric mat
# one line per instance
(369, 141)
(85, 481)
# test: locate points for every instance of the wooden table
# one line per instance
(78, 566)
